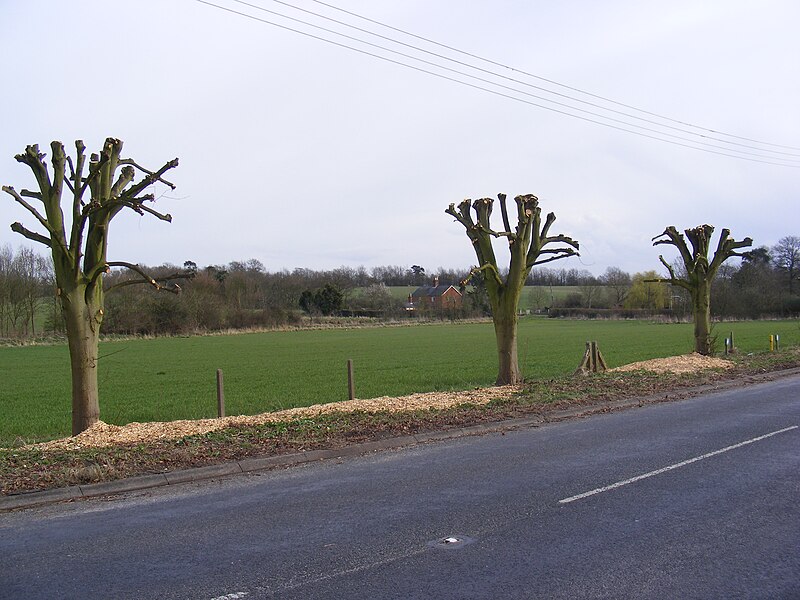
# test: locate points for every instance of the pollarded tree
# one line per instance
(78, 243)
(700, 272)
(526, 244)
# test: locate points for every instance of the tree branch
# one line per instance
(561, 238)
(498, 234)
(12, 192)
(673, 280)
(566, 252)
(31, 235)
(130, 161)
(136, 206)
(504, 212)
(491, 268)
(95, 167)
(152, 178)
(551, 218)
(78, 188)
(675, 239)
(556, 250)
(147, 279)
(30, 194)
(726, 248)
(126, 176)
(35, 160)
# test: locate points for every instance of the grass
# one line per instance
(29, 469)
(164, 379)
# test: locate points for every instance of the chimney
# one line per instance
(436, 281)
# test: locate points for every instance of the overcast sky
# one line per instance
(300, 153)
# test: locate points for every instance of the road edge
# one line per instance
(255, 464)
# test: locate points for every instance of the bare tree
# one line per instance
(79, 250)
(526, 244)
(700, 272)
(27, 264)
(590, 290)
(6, 258)
(618, 284)
(786, 256)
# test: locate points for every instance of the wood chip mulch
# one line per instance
(103, 434)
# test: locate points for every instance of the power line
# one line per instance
(550, 81)
(770, 160)
(544, 99)
(504, 77)
(505, 87)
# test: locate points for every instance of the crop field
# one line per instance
(174, 377)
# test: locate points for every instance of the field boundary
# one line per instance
(265, 463)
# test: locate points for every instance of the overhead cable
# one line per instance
(621, 125)
(550, 81)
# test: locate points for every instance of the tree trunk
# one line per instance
(701, 307)
(83, 333)
(505, 329)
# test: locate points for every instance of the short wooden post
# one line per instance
(351, 382)
(772, 343)
(593, 361)
(220, 395)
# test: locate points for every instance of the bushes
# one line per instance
(608, 313)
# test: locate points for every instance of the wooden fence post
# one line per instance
(351, 383)
(220, 395)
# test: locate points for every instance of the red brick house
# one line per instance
(436, 296)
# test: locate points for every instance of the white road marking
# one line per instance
(233, 596)
(671, 467)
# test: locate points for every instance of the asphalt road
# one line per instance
(691, 499)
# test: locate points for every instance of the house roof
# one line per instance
(432, 291)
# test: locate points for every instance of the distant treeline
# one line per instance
(246, 295)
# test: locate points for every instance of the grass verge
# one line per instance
(30, 469)
(165, 379)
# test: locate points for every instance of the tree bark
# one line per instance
(701, 299)
(83, 333)
(505, 330)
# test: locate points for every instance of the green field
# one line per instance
(174, 378)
